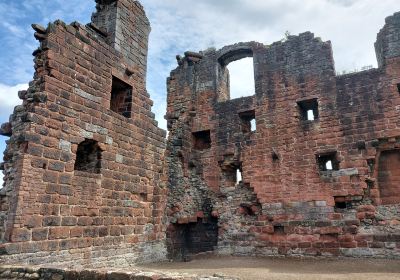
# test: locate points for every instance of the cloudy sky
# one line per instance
(180, 25)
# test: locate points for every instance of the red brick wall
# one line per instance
(81, 216)
(294, 201)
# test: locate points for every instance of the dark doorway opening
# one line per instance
(185, 240)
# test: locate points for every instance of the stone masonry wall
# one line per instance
(84, 165)
(327, 186)
(84, 183)
(22, 273)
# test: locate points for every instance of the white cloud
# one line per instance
(1, 179)
(14, 29)
(180, 25)
(241, 74)
(351, 25)
(9, 97)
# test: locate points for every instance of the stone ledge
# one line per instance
(22, 273)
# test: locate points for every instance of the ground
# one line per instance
(281, 269)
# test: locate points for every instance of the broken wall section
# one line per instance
(84, 184)
(314, 183)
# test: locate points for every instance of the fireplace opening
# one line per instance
(186, 240)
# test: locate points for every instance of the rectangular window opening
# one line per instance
(328, 162)
(88, 157)
(241, 78)
(308, 109)
(398, 87)
(279, 229)
(121, 97)
(201, 140)
(231, 176)
(340, 202)
(248, 121)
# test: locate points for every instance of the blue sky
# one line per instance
(180, 25)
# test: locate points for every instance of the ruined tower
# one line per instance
(84, 163)
(321, 185)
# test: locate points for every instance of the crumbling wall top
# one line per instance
(388, 42)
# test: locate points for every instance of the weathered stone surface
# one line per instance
(289, 202)
(25, 273)
(38, 28)
(6, 129)
(72, 161)
(86, 174)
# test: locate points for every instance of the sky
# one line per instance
(181, 25)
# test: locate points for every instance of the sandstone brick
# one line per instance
(59, 233)
(51, 221)
(39, 234)
(86, 158)
(69, 221)
(115, 230)
(21, 235)
(34, 222)
(85, 221)
(76, 232)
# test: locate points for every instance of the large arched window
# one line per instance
(236, 77)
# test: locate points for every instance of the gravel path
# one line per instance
(281, 269)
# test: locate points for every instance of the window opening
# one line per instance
(279, 229)
(88, 157)
(241, 78)
(202, 140)
(328, 162)
(121, 97)
(340, 202)
(248, 121)
(308, 109)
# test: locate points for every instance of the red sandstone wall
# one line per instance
(76, 217)
(286, 204)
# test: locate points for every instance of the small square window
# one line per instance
(121, 98)
(248, 121)
(279, 229)
(201, 140)
(340, 202)
(309, 109)
(328, 162)
(231, 176)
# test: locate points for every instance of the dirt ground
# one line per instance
(282, 269)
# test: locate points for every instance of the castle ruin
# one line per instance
(91, 181)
